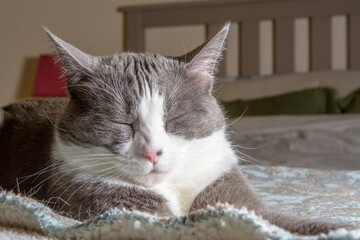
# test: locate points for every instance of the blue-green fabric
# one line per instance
(331, 195)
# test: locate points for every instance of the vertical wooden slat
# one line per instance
(211, 30)
(249, 49)
(354, 42)
(284, 46)
(320, 49)
(134, 32)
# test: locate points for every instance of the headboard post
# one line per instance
(249, 48)
(134, 38)
(354, 42)
(284, 45)
(320, 43)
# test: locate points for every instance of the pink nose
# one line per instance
(152, 156)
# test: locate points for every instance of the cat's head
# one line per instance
(132, 116)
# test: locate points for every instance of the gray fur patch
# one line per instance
(25, 142)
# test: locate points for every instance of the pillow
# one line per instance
(344, 82)
(311, 101)
(350, 103)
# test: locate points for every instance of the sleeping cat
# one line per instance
(139, 131)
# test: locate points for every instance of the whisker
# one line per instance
(66, 172)
(235, 121)
(75, 181)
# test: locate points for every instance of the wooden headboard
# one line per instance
(248, 14)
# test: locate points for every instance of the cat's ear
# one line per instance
(203, 60)
(74, 60)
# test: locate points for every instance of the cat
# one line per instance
(139, 131)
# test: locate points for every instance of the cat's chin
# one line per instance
(151, 178)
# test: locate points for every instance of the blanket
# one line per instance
(313, 193)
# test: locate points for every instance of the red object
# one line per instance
(48, 82)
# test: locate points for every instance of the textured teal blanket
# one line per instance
(332, 195)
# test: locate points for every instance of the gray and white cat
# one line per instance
(139, 131)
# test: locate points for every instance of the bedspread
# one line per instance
(311, 193)
(306, 192)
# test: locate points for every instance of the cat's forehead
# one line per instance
(125, 78)
(141, 61)
(133, 73)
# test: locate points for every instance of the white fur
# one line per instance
(151, 135)
(185, 168)
(202, 162)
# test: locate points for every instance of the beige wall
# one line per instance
(94, 26)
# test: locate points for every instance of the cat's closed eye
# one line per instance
(125, 125)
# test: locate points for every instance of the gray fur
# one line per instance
(26, 136)
(105, 93)
(111, 95)
(109, 89)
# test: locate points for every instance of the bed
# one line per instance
(289, 84)
(293, 115)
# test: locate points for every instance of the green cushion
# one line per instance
(350, 103)
(310, 101)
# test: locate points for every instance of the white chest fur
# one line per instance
(204, 161)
